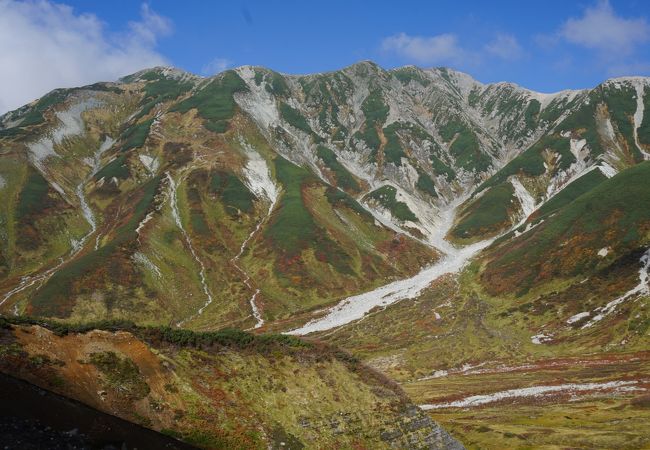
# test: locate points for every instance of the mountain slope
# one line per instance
(222, 390)
(291, 192)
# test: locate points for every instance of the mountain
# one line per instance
(424, 221)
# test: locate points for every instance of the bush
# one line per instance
(294, 118)
(344, 179)
(387, 197)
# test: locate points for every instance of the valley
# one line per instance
(483, 245)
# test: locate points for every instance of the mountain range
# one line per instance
(465, 239)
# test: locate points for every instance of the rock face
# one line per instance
(223, 390)
(416, 430)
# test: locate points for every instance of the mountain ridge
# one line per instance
(417, 218)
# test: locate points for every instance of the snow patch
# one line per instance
(578, 317)
(603, 252)
(77, 245)
(535, 391)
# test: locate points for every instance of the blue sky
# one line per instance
(545, 46)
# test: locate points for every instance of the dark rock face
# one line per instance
(417, 431)
(33, 418)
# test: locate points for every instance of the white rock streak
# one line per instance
(173, 200)
(355, 307)
(535, 391)
(525, 199)
(258, 180)
(638, 116)
(641, 289)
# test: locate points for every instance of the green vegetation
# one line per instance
(487, 214)
(294, 118)
(376, 112)
(621, 104)
(344, 179)
(160, 90)
(135, 135)
(54, 298)
(393, 151)
(569, 193)
(465, 147)
(338, 197)
(277, 86)
(374, 108)
(583, 120)
(387, 197)
(214, 102)
(613, 208)
(116, 168)
(233, 193)
(228, 337)
(441, 168)
(473, 98)
(33, 196)
(407, 74)
(426, 184)
(531, 113)
(531, 162)
(293, 227)
(35, 114)
(121, 374)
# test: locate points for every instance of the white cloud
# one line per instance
(504, 46)
(215, 66)
(439, 49)
(445, 49)
(601, 29)
(45, 45)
